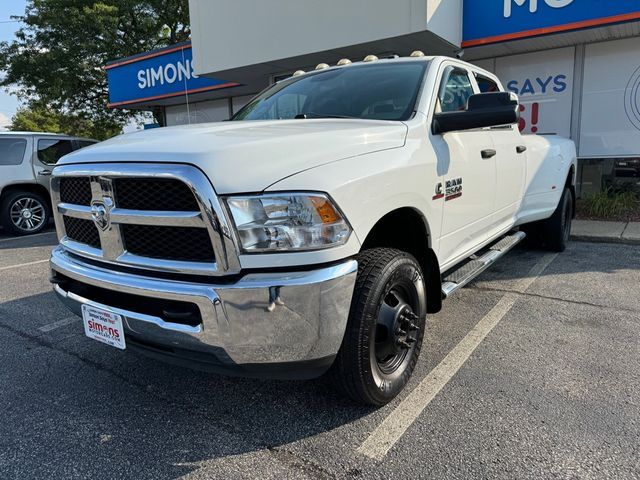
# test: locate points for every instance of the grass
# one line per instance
(610, 205)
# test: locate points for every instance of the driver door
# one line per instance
(466, 161)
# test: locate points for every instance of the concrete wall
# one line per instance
(229, 34)
(444, 18)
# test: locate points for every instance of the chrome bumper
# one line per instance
(236, 334)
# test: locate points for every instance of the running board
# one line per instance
(470, 270)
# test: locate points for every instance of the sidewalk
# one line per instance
(610, 232)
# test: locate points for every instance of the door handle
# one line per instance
(488, 153)
(521, 148)
(44, 173)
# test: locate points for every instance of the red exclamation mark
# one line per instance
(522, 124)
(535, 111)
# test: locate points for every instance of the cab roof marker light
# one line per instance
(370, 58)
(417, 54)
(297, 73)
(322, 66)
(343, 62)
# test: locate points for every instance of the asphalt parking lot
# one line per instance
(532, 371)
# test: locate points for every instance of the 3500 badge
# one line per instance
(452, 189)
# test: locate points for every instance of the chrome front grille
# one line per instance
(172, 243)
(156, 217)
(76, 191)
(82, 231)
(154, 194)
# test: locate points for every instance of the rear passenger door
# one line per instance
(510, 164)
(48, 150)
(468, 177)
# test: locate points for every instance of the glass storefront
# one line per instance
(615, 174)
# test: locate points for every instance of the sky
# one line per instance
(9, 103)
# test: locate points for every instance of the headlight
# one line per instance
(287, 221)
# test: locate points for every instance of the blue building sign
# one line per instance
(492, 21)
(157, 75)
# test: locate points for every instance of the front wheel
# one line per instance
(385, 329)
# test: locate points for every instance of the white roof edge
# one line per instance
(9, 132)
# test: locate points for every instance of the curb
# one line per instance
(596, 239)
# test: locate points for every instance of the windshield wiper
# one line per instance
(303, 116)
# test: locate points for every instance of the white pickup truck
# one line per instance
(314, 231)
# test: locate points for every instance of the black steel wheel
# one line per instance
(385, 328)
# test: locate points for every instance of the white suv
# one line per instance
(26, 161)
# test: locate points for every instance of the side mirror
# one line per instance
(483, 110)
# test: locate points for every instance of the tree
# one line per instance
(40, 118)
(58, 55)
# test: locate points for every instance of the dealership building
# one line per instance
(574, 63)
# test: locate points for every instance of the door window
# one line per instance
(52, 150)
(12, 150)
(486, 84)
(455, 91)
(84, 143)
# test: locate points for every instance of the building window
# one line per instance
(615, 174)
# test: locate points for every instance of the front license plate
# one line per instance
(103, 326)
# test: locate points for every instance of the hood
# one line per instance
(251, 155)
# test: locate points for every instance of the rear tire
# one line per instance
(553, 233)
(24, 213)
(556, 230)
(385, 329)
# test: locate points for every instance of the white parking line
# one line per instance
(59, 323)
(9, 267)
(2, 240)
(385, 436)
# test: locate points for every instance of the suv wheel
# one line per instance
(24, 213)
(385, 328)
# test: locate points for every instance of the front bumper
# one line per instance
(234, 333)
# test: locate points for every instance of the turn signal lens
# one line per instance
(324, 208)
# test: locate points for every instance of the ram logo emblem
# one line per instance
(100, 213)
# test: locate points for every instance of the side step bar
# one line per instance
(467, 272)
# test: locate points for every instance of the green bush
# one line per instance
(607, 203)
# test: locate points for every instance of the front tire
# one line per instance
(385, 329)
(24, 213)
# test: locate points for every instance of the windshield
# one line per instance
(380, 91)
